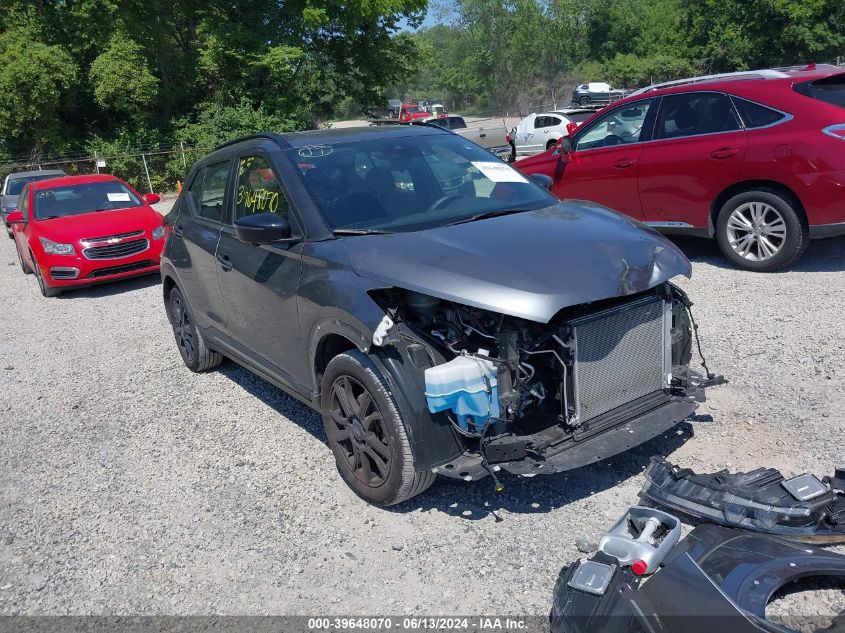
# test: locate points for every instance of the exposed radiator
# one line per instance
(621, 354)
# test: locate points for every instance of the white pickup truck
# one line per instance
(492, 137)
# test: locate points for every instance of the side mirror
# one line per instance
(15, 217)
(152, 198)
(543, 180)
(571, 127)
(263, 228)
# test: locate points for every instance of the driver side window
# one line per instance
(258, 189)
(620, 126)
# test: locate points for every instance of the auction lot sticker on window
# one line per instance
(118, 197)
(499, 172)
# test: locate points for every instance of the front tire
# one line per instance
(24, 266)
(551, 144)
(46, 290)
(193, 349)
(585, 101)
(366, 432)
(761, 230)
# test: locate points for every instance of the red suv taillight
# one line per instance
(836, 131)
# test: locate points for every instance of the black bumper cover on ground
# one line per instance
(756, 501)
(717, 579)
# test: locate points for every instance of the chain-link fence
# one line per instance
(154, 169)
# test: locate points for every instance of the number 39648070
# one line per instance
(258, 199)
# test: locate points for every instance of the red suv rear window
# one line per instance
(830, 89)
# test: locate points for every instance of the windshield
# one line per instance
(59, 202)
(413, 109)
(411, 183)
(15, 185)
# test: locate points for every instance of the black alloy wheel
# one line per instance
(183, 329)
(357, 427)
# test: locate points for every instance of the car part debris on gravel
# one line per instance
(802, 508)
(717, 578)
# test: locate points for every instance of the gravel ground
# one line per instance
(129, 485)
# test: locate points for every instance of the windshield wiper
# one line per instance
(486, 215)
(360, 232)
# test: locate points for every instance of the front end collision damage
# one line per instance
(717, 578)
(552, 412)
(802, 508)
(511, 290)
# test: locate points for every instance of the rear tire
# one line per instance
(761, 230)
(585, 101)
(46, 290)
(366, 432)
(551, 144)
(193, 349)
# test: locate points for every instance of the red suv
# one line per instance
(80, 230)
(755, 159)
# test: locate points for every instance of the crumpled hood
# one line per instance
(528, 265)
(8, 202)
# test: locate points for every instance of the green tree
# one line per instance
(731, 35)
(121, 79)
(35, 80)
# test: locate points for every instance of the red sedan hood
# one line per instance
(100, 224)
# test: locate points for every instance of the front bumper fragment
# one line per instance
(717, 579)
(759, 500)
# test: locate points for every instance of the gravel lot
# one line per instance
(130, 485)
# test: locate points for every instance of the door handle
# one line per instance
(225, 262)
(625, 162)
(177, 230)
(483, 135)
(724, 152)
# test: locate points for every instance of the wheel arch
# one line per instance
(750, 185)
(328, 346)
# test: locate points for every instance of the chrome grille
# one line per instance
(107, 238)
(116, 251)
(620, 355)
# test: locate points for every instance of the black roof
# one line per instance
(341, 135)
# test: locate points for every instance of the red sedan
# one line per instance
(80, 230)
(754, 159)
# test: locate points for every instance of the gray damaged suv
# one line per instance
(444, 313)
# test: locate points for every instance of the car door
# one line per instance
(697, 151)
(195, 238)
(602, 164)
(260, 282)
(546, 132)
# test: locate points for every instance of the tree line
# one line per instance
(108, 75)
(490, 54)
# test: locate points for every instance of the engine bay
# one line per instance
(510, 387)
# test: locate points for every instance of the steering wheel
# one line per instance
(612, 139)
(442, 200)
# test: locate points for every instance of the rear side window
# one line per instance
(755, 115)
(830, 89)
(208, 190)
(258, 189)
(694, 113)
